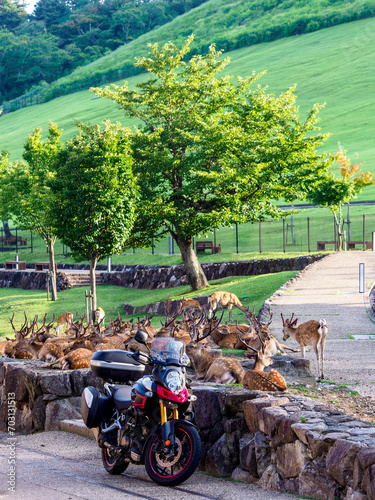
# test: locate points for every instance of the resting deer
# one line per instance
(257, 379)
(225, 300)
(63, 319)
(80, 358)
(220, 370)
(189, 304)
(311, 333)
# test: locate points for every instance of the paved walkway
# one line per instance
(329, 289)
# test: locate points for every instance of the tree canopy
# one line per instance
(95, 193)
(211, 152)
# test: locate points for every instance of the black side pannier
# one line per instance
(95, 406)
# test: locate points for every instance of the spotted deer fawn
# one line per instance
(257, 378)
(225, 300)
(311, 333)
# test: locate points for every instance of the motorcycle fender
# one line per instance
(167, 430)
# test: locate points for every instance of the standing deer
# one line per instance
(259, 380)
(188, 304)
(63, 319)
(225, 299)
(311, 333)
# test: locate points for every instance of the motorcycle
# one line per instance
(144, 419)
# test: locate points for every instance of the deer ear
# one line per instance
(295, 322)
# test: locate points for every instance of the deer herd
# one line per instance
(200, 329)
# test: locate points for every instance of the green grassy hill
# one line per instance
(334, 65)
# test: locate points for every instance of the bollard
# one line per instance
(17, 259)
(361, 277)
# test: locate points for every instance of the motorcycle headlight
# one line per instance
(175, 382)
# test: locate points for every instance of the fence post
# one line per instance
(17, 239)
(31, 241)
(2, 240)
(214, 237)
(308, 234)
(237, 237)
(364, 232)
(260, 236)
(335, 229)
(284, 234)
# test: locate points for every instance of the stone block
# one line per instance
(340, 460)
(252, 409)
(270, 419)
(231, 401)
(58, 410)
(285, 432)
(242, 475)
(364, 459)
(263, 452)
(14, 382)
(56, 383)
(314, 482)
(219, 461)
(247, 455)
(368, 482)
(302, 429)
(206, 407)
(291, 458)
(38, 410)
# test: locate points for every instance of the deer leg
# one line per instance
(302, 350)
(322, 344)
(320, 375)
(230, 312)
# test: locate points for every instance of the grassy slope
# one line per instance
(333, 66)
(252, 290)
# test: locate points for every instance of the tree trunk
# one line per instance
(51, 251)
(194, 271)
(93, 262)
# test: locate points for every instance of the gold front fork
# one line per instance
(163, 412)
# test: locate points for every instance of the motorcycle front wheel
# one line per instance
(170, 469)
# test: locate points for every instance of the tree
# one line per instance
(96, 193)
(334, 192)
(211, 153)
(26, 193)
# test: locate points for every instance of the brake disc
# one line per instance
(169, 460)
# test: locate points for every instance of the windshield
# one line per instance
(168, 350)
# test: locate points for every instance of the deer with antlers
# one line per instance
(219, 300)
(222, 370)
(257, 378)
(311, 333)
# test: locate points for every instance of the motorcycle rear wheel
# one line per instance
(174, 469)
(113, 465)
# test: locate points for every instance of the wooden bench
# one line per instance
(12, 240)
(321, 245)
(352, 244)
(41, 266)
(201, 246)
(15, 264)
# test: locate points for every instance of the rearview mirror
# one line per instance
(141, 337)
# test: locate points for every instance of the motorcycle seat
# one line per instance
(122, 397)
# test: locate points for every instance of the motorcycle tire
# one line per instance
(173, 469)
(113, 465)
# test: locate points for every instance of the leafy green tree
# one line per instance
(210, 152)
(26, 193)
(96, 193)
(12, 14)
(333, 192)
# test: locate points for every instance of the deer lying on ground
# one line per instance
(257, 379)
(219, 370)
(80, 358)
(311, 333)
(225, 300)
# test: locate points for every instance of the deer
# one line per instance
(80, 358)
(225, 300)
(189, 304)
(222, 370)
(99, 315)
(259, 380)
(63, 319)
(311, 333)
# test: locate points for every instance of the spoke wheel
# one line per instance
(170, 469)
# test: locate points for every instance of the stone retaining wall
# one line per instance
(152, 277)
(30, 280)
(285, 443)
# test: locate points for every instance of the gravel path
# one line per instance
(329, 289)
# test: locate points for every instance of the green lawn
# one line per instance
(253, 290)
(333, 65)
